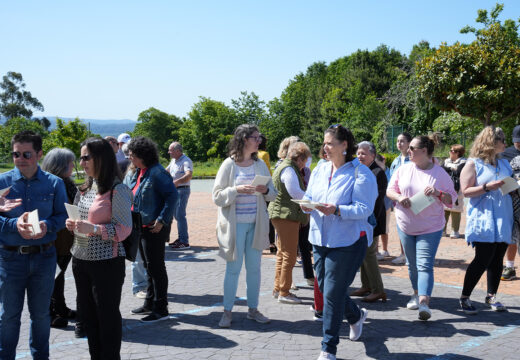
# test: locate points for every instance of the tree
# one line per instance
(67, 135)
(159, 126)
(15, 101)
(14, 126)
(249, 108)
(480, 80)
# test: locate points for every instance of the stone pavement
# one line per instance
(391, 332)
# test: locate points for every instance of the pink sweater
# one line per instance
(408, 180)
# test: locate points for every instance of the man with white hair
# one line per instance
(181, 170)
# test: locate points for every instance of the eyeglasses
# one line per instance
(257, 138)
(85, 157)
(412, 148)
(25, 154)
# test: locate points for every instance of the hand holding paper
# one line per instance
(510, 184)
(420, 202)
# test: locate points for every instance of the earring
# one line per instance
(344, 152)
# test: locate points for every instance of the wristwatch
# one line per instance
(336, 212)
(484, 187)
(95, 229)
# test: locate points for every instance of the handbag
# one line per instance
(131, 243)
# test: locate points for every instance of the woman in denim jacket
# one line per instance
(154, 198)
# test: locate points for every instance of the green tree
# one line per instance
(15, 101)
(14, 126)
(67, 135)
(159, 126)
(480, 80)
(249, 109)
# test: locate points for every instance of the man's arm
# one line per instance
(184, 179)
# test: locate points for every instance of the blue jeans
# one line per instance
(335, 270)
(244, 245)
(180, 214)
(139, 277)
(420, 253)
(18, 273)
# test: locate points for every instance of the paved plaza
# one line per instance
(391, 331)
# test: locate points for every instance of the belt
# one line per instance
(28, 249)
(182, 186)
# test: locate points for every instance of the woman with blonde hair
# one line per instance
(489, 220)
(284, 148)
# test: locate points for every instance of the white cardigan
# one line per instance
(224, 196)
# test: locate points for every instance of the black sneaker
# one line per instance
(141, 310)
(155, 317)
(318, 316)
(79, 331)
(59, 322)
(467, 307)
(179, 246)
(491, 302)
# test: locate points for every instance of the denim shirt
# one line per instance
(45, 192)
(354, 195)
(396, 163)
(156, 196)
(490, 215)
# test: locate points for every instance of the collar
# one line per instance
(17, 175)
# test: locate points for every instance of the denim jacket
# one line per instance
(156, 196)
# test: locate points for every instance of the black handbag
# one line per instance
(131, 243)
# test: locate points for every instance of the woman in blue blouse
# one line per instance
(489, 220)
(340, 232)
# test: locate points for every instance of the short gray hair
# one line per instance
(177, 146)
(368, 145)
(57, 161)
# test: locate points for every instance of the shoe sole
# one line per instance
(424, 315)
(508, 279)
(470, 312)
(141, 313)
(364, 315)
(289, 302)
(260, 322)
(155, 320)
(412, 307)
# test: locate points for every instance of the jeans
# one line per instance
(139, 277)
(253, 257)
(420, 253)
(19, 273)
(99, 284)
(152, 249)
(180, 214)
(335, 270)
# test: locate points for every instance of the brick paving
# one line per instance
(391, 332)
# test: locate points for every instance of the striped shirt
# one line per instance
(245, 204)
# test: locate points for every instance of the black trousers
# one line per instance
(99, 285)
(488, 256)
(152, 251)
(58, 304)
(305, 252)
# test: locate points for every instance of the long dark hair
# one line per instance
(341, 134)
(237, 143)
(105, 165)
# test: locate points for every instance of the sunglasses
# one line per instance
(412, 148)
(257, 138)
(85, 157)
(25, 154)
(453, 151)
(334, 126)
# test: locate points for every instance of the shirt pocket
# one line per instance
(44, 203)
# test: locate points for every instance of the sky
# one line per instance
(113, 59)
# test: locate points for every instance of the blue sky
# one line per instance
(113, 59)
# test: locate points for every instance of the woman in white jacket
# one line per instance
(243, 223)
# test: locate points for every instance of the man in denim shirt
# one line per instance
(28, 259)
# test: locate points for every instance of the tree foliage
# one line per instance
(480, 80)
(67, 135)
(15, 101)
(12, 127)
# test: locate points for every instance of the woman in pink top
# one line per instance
(420, 233)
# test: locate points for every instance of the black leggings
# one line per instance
(488, 256)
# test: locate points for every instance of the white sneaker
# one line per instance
(289, 299)
(254, 314)
(413, 304)
(326, 356)
(226, 319)
(357, 328)
(140, 294)
(400, 260)
(424, 312)
(380, 256)
(455, 235)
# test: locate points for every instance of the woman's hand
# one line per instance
(327, 209)
(84, 227)
(262, 189)
(157, 226)
(404, 201)
(431, 191)
(246, 189)
(70, 224)
(494, 185)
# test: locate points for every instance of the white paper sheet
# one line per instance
(260, 180)
(34, 220)
(72, 211)
(420, 202)
(510, 184)
(3, 191)
(308, 204)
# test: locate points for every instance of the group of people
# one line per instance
(39, 234)
(340, 209)
(346, 202)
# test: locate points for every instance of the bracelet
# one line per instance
(336, 211)
(484, 187)
(95, 229)
(440, 195)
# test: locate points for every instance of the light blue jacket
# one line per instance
(355, 197)
(396, 163)
(490, 215)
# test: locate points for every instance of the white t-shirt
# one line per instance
(179, 167)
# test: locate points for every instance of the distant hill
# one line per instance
(98, 126)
